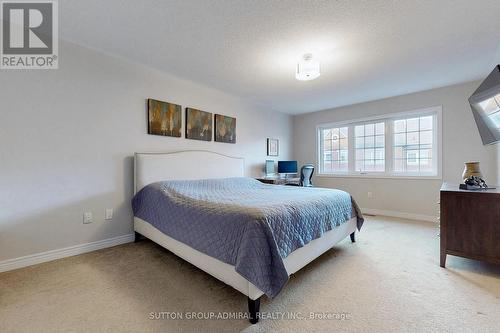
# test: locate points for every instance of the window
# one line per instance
(395, 145)
(334, 147)
(413, 141)
(370, 147)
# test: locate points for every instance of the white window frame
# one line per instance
(389, 136)
(348, 152)
(354, 148)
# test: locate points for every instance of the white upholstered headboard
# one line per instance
(184, 165)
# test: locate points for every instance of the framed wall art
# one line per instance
(225, 129)
(164, 118)
(273, 147)
(198, 125)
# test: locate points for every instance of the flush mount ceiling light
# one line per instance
(307, 68)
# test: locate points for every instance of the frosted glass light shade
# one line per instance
(307, 69)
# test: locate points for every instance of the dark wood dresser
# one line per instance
(470, 223)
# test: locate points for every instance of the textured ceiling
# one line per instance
(368, 49)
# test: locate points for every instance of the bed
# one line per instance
(249, 235)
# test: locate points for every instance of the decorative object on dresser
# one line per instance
(164, 118)
(198, 125)
(225, 129)
(273, 147)
(474, 183)
(471, 169)
(470, 223)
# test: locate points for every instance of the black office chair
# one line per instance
(306, 173)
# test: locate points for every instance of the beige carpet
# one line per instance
(389, 281)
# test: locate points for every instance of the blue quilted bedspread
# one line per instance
(243, 222)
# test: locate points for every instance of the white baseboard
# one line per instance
(37, 258)
(391, 213)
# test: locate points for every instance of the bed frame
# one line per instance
(198, 164)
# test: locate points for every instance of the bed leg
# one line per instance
(353, 237)
(253, 309)
(137, 237)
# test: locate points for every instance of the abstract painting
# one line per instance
(225, 129)
(164, 118)
(198, 125)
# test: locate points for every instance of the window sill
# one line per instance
(374, 176)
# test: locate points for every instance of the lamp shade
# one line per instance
(307, 68)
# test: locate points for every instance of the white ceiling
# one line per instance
(368, 49)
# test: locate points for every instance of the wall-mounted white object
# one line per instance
(108, 214)
(88, 218)
(308, 68)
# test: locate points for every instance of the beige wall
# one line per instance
(67, 139)
(461, 143)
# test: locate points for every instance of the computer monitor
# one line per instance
(287, 167)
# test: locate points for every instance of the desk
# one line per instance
(279, 181)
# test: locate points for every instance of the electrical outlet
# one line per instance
(87, 217)
(370, 195)
(109, 214)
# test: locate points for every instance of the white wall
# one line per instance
(461, 143)
(67, 139)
